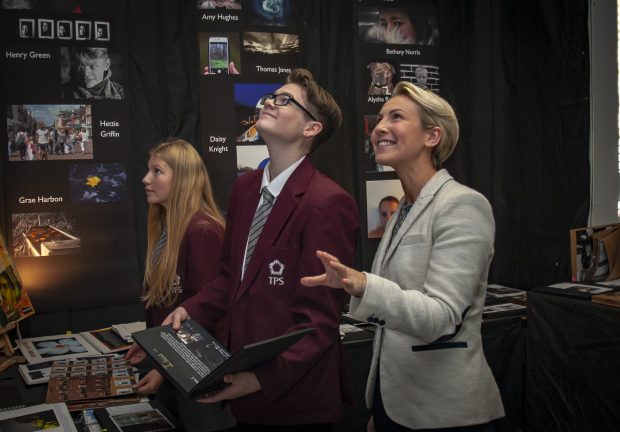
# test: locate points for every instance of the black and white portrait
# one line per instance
(82, 31)
(46, 29)
(93, 73)
(64, 30)
(26, 28)
(102, 31)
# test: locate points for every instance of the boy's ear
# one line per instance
(312, 129)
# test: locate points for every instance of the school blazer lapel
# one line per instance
(283, 209)
(427, 194)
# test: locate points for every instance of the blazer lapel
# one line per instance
(424, 199)
(283, 209)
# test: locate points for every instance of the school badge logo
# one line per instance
(276, 269)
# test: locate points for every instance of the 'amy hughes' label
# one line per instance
(39, 200)
(220, 17)
(25, 55)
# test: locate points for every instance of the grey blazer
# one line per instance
(425, 294)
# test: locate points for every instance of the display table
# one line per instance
(573, 373)
(503, 341)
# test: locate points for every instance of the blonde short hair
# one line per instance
(434, 112)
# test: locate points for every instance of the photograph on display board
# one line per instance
(412, 24)
(64, 30)
(219, 53)
(382, 198)
(46, 29)
(91, 73)
(102, 31)
(247, 107)
(44, 234)
(49, 132)
(13, 298)
(422, 75)
(219, 4)
(382, 77)
(370, 121)
(272, 12)
(98, 183)
(83, 30)
(270, 43)
(26, 28)
(250, 158)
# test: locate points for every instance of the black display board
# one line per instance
(395, 41)
(68, 204)
(246, 50)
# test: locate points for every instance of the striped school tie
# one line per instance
(260, 217)
(159, 246)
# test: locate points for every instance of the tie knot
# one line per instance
(267, 196)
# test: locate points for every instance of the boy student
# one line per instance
(259, 288)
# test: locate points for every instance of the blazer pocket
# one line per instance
(438, 346)
(412, 239)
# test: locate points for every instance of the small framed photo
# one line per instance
(64, 30)
(46, 29)
(82, 30)
(102, 31)
(26, 28)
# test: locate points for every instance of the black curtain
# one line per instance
(516, 72)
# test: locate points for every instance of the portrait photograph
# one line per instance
(413, 24)
(45, 234)
(425, 76)
(382, 197)
(49, 132)
(247, 107)
(46, 29)
(98, 183)
(64, 30)
(82, 31)
(26, 28)
(250, 158)
(102, 31)
(91, 73)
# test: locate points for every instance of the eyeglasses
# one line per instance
(284, 99)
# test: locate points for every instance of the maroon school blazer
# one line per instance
(303, 385)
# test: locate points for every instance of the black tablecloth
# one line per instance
(573, 365)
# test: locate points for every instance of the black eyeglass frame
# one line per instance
(285, 99)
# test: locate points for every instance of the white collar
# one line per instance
(276, 185)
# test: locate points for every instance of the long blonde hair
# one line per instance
(190, 193)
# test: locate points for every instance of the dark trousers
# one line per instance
(385, 424)
(318, 427)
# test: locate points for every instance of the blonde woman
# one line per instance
(185, 232)
(427, 286)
